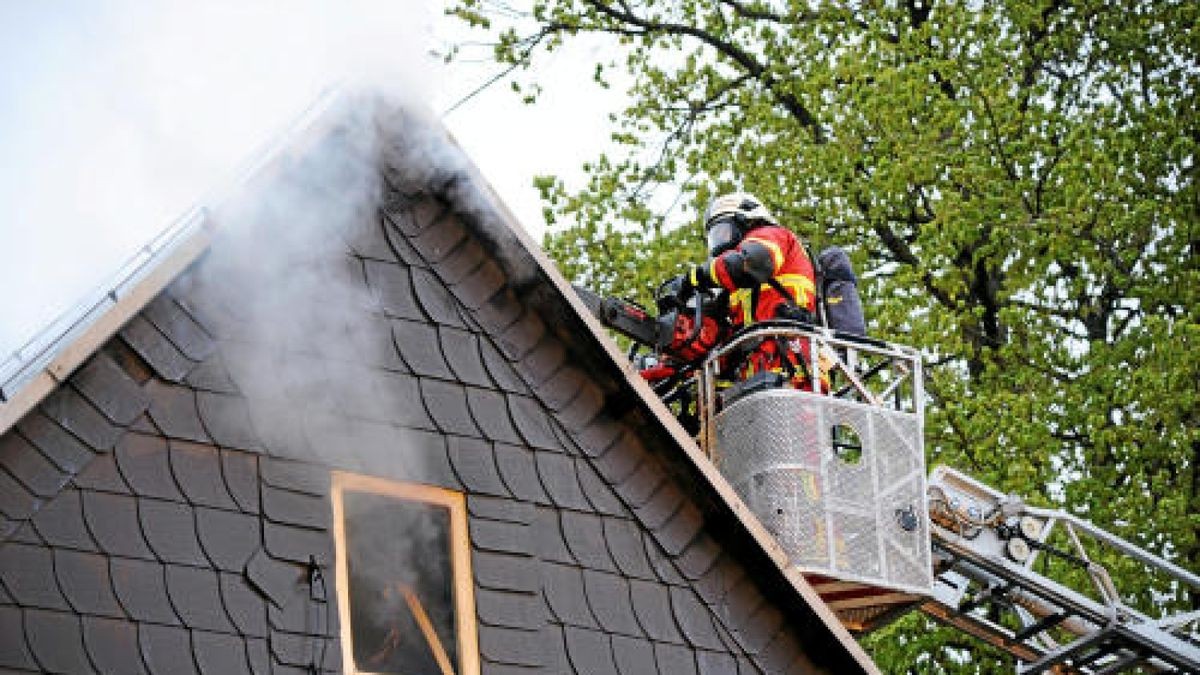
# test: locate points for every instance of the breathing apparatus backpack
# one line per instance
(837, 292)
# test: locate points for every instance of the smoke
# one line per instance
(119, 116)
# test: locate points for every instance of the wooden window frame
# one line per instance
(460, 560)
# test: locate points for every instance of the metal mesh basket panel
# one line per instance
(833, 513)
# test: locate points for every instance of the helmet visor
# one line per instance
(722, 235)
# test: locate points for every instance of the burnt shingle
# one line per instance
(84, 580)
(166, 649)
(56, 640)
(170, 530)
(165, 358)
(608, 596)
(562, 586)
(229, 538)
(634, 656)
(60, 447)
(295, 508)
(28, 574)
(557, 472)
(420, 348)
(519, 473)
(694, 619)
(145, 464)
(549, 541)
(60, 522)
(114, 393)
(196, 595)
(240, 471)
(39, 475)
(590, 652)
(66, 407)
(113, 521)
(179, 327)
(475, 465)
(218, 654)
(508, 609)
(598, 494)
(489, 409)
(674, 659)
(584, 533)
(505, 572)
(227, 419)
(14, 653)
(173, 409)
(447, 405)
(652, 607)
(113, 645)
(532, 423)
(625, 544)
(141, 589)
(500, 369)
(433, 297)
(391, 285)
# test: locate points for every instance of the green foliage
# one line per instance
(1016, 182)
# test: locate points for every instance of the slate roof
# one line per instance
(157, 515)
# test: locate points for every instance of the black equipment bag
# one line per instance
(839, 292)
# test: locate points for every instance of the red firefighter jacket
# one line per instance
(785, 260)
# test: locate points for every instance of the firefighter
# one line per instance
(768, 275)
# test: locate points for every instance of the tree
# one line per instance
(1016, 181)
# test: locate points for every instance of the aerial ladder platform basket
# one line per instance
(837, 475)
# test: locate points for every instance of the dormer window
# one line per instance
(404, 578)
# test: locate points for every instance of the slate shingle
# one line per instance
(28, 573)
(489, 409)
(508, 609)
(782, 652)
(401, 398)
(110, 389)
(694, 619)
(433, 297)
(16, 502)
(549, 541)
(240, 471)
(562, 586)
(608, 596)
(218, 654)
(197, 471)
(680, 529)
(532, 423)
(698, 558)
(621, 459)
(557, 472)
(60, 522)
(461, 349)
(505, 572)
(303, 477)
(586, 406)
(641, 484)
(56, 640)
(66, 407)
(543, 360)
(170, 529)
(295, 508)
(65, 450)
(460, 262)
(761, 628)
(370, 342)
(212, 375)
(274, 579)
(494, 508)
(196, 596)
(501, 370)
(715, 663)
(563, 388)
(113, 521)
(166, 359)
(25, 463)
(674, 659)
(297, 544)
(599, 495)
(447, 405)
(666, 501)
(438, 240)
(227, 420)
(179, 327)
(633, 656)
(146, 466)
(479, 285)
(14, 652)
(391, 285)
(101, 474)
(499, 312)
(83, 578)
(519, 473)
(420, 348)
(166, 649)
(112, 645)
(599, 436)
(141, 588)
(742, 601)
(229, 538)
(173, 409)
(519, 339)
(584, 534)
(258, 654)
(652, 607)
(475, 465)
(590, 652)
(512, 646)
(625, 544)
(399, 242)
(500, 537)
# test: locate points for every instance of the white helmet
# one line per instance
(729, 217)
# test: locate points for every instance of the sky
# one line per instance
(117, 117)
